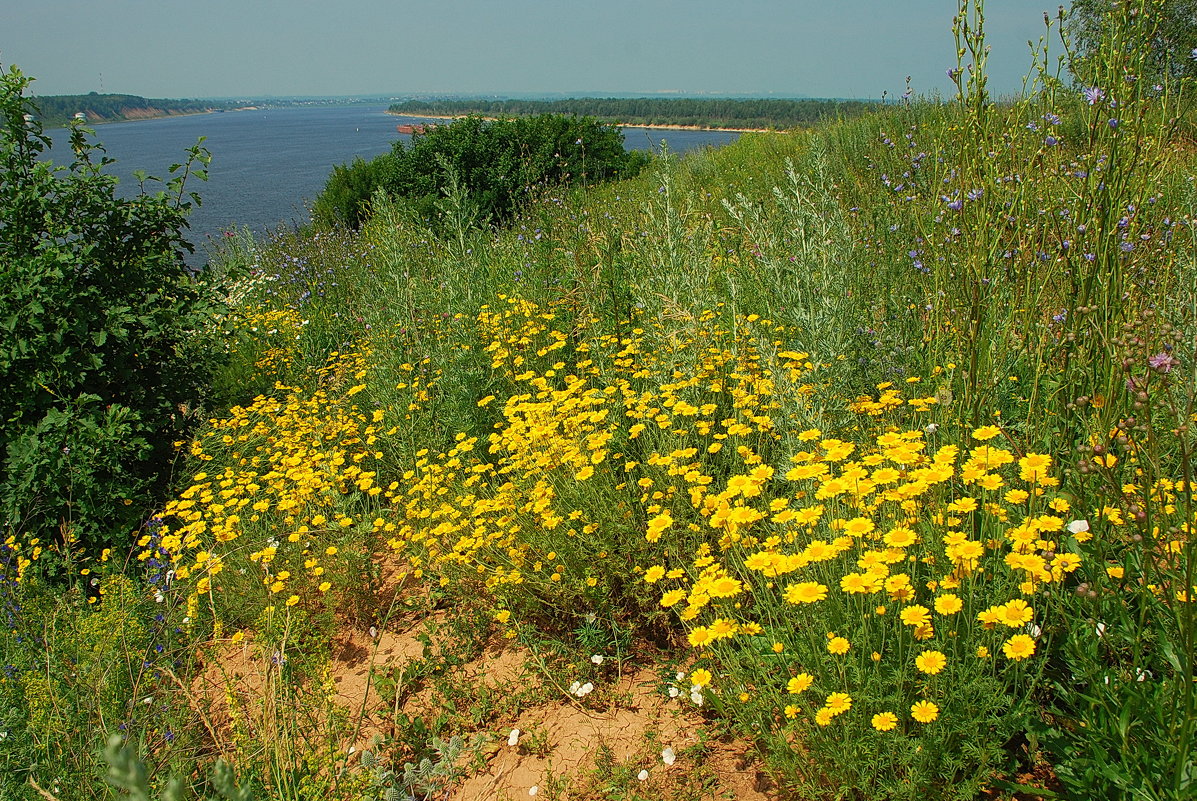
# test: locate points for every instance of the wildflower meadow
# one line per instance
(871, 446)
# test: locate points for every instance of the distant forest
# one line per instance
(760, 113)
(56, 110)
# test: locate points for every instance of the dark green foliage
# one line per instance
(498, 164)
(345, 199)
(99, 359)
(714, 113)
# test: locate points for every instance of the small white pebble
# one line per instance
(668, 756)
(514, 737)
(642, 775)
(533, 790)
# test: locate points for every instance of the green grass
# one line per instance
(947, 251)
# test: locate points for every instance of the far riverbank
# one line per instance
(649, 126)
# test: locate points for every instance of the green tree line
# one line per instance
(54, 110)
(712, 113)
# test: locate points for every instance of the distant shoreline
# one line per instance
(140, 118)
(160, 116)
(655, 126)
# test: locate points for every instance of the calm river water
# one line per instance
(267, 164)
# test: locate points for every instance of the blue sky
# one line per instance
(197, 48)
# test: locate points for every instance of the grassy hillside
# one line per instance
(857, 460)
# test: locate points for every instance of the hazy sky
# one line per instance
(212, 48)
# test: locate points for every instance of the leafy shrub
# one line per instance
(98, 314)
(498, 163)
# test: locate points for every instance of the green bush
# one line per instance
(499, 164)
(99, 354)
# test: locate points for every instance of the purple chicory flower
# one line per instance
(1094, 95)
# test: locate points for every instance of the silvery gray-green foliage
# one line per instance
(127, 773)
(423, 780)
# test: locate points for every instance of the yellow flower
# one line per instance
(701, 677)
(931, 662)
(884, 721)
(1033, 467)
(1015, 613)
(856, 583)
(672, 597)
(948, 604)
(654, 574)
(725, 587)
(838, 703)
(901, 537)
(924, 711)
(859, 527)
(791, 711)
(294, 599)
(700, 636)
(722, 627)
(805, 592)
(985, 433)
(838, 645)
(916, 615)
(800, 683)
(1019, 647)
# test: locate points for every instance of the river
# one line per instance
(268, 164)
